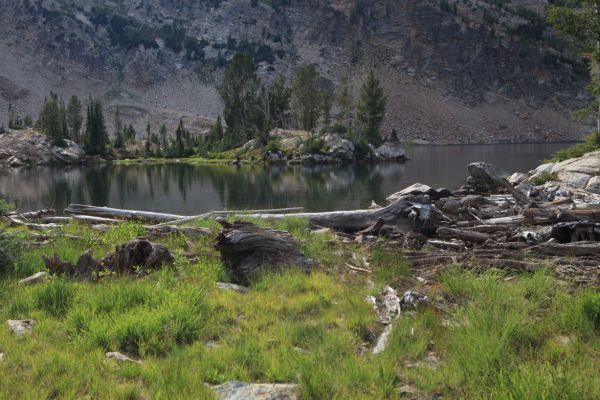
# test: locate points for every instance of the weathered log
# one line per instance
(106, 212)
(577, 249)
(228, 212)
(190, 232)
(247, 251)
(36, 214)
(467, 236)
(405, 214)
(554, 215)
(90, 219)
(36, 227)
(442, 244)
(130, 258)
(490, 228)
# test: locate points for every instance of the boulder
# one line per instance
(232, 287)
(252, 145)
(544, 168)
(390, 151)
(517, 178)
(275, 157)
(486, 175)
(256, 391)
(574, 179)
(29, 147)
(593, 185)
(339, 148)
(21, 327)
(588, 164)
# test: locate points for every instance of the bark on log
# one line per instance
(228, 212)
(130, 258)
(106, 212)
(36, 214)
(567, 232)
(247, 251)
(578, 249)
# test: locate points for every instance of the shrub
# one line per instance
(591, 143)
(5, 206)
(543, 178)
(315, 145)
(362, 150)
(591, 309)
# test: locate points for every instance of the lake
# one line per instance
(182, 188)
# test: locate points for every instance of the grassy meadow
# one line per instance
(490, 336)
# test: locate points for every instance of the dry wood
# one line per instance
(36, 214)
(467, 236)
(107, 212)
(577, 249)
(228, 212)
(130, 258)
(248, 251)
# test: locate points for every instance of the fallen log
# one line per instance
(190, 232)
(130, 258)
(467, 236)
(405, 214)
(107, 212)
(581, 231)
(542, 216)
(228, 212)
(247, 251)
(578, 249)
(36, 214)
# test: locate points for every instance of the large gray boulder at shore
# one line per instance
(29, 147)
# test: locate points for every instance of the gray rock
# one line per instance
(588, 164)
(544, 168)
(120, 358)
(339, 148)
(574, 179)
(232, 287)
(390, 151)
(30, 147)
(34, 279)
(275, 157)
(485, 174)
(417, 188)
(517, 178)
(1, 357)
(386, 305)
(252, 145)
(255, 391)
(593, 185)
(21, 327)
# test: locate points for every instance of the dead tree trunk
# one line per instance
(248, 251)
(106, 212)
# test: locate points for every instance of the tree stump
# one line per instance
(249, 251)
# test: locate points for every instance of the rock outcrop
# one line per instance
(256, 391)
(29, 147)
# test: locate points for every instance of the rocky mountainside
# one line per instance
(455, 71)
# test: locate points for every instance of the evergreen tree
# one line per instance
(129, 134)
(215, 136)
(306, 99)
(50, 120)
(278, 105)
(581, 20)
(179, 146)
(74, 119)
(163, 138)
(371, 109)
(148, 144)
(326, 105)
(345, 102)
(119, 140)
(96, 138)
(240, 93)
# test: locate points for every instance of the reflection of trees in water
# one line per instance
(97, 182)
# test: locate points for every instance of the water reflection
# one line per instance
(188, 189)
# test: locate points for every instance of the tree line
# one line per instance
(251, 111)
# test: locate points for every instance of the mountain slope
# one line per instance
(455, 72)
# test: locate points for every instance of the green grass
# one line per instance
(498, 339)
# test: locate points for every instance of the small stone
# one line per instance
(211, 344)
(21, 327)
(1, 356)
(232, 287)
(407, 389)
(120, 358)
(34, 279)
(255, 391)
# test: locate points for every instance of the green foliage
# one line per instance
(371, 109)
(11, 247)
(315, 145)
(362, 150)
(74, 119)
(306, 98)
(96, 138)
(5, 206)
(240, 93)
(543, 178)
(52, 120)
(591, 143)
(591, 309)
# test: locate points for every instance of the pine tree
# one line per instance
(148, 144)
(240, 93)
(96, 138)
(581, 21)
(51, 121)
(345, 102)
(163, 138)
(371, 109)
(129, 134)
(74, 119)
(306, 101)
(277, 105)
(119, 140)
(179, 146)
(326, 105)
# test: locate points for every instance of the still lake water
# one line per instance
(181, 188)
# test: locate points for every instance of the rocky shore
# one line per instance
(28, 147)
